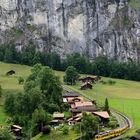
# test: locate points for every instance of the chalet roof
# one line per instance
(16, 126)
(88, 77)
(71, 99)
(86, 84)
(58, 115)
(85, 103)
(71, 94)
(85, 108)
(54, 121)
(77, 119)
(103, 114)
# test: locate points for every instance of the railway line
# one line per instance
(115, 134)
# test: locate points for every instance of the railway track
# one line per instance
(123, 121)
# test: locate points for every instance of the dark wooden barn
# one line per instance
(11, 72)
(86, 86)
(90, 79)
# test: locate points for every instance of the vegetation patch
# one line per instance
(135, 4)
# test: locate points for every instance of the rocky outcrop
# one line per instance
(91, 27)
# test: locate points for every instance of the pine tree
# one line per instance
(106, 107)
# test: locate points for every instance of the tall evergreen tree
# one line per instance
(106, 107)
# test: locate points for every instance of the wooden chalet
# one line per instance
(57, 118)
(81, 104)
(86, 86)
(79, 107)
(17, 130)
(90, 79)
(78, 110)
(74, 119)
(70, 95)
(72, 100)
(103, 115)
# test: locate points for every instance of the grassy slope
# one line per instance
(57, 135)
(10, 83)
(124, 95)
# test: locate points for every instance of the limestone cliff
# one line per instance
(91, 27)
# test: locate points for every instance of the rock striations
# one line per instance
(91, 27)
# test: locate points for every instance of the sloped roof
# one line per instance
(103, 114)
(58, 115)
(86, 103)
(85, 108)
(88, 77)
(71, 94)
(17, 126)
(71, 99)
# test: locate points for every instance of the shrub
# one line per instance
(20, 80)
(113, 124)
(65, 130)
(138, 131)
(46, 130)
(111, 82)
(103, 82)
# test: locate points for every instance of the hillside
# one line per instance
(123, 96)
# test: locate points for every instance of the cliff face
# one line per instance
(91, 27)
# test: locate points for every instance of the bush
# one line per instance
(113, 124)
(46, 130)
(138, 131)
(76, 127)
(65, 130)
(20, 80)
(103, 82)
(111, 82)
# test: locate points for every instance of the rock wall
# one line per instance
(91, 27)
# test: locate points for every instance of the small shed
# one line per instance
(16, 129)
(11, 72)
(86, 86)
(58, 116)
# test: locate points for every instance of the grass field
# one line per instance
(57, 135)
(123, 96)
(11, 82)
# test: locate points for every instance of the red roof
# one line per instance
(103, 114)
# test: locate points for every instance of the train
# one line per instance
(113, 133)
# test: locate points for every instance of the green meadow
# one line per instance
(123, 96)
